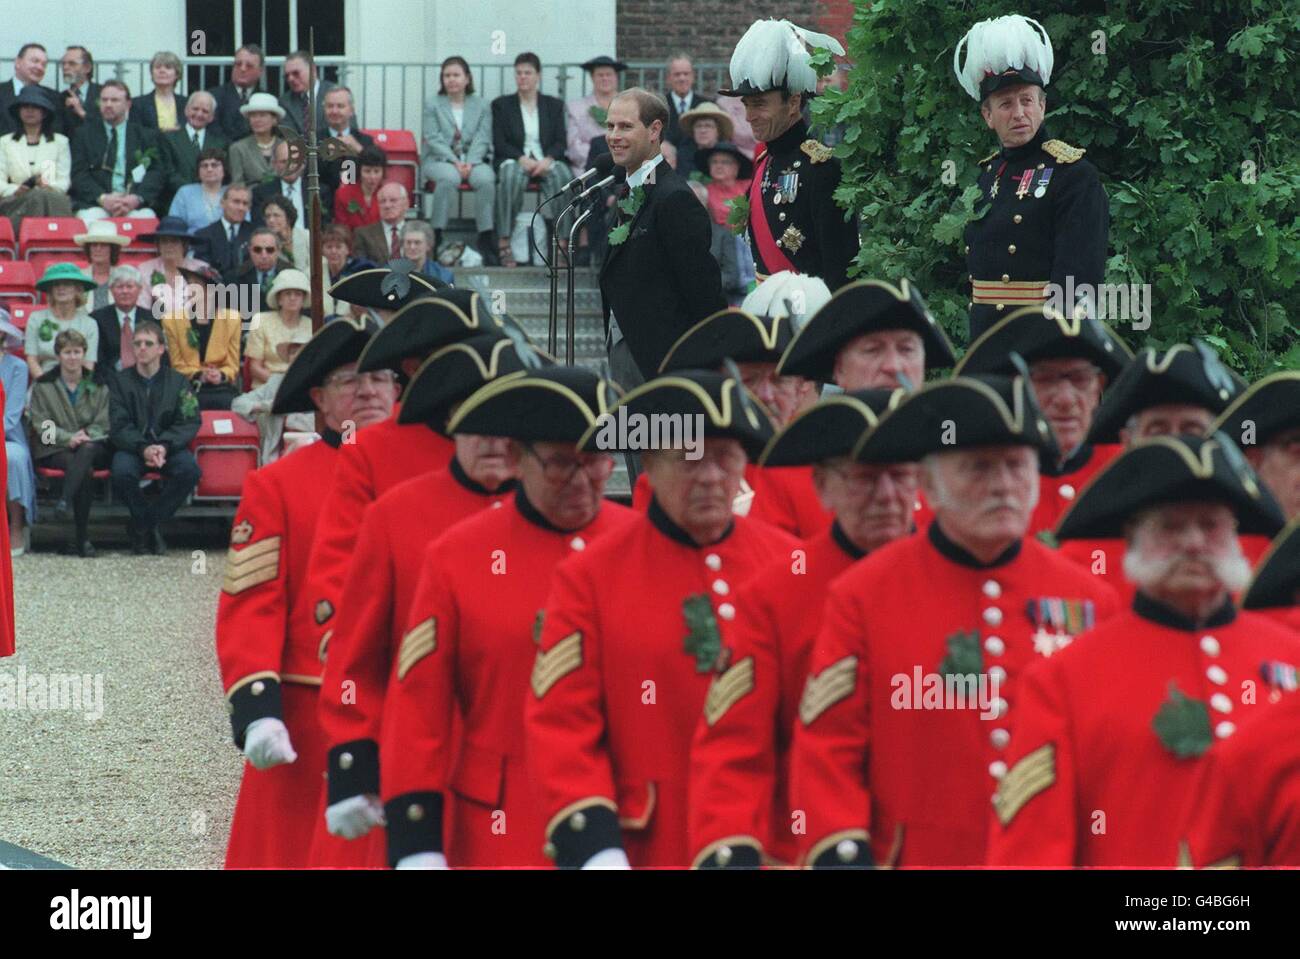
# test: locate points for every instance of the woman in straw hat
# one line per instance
(706, 125)
(66, 287)
(103, 246)
(288, 304)
(250, 158)
(35, 162)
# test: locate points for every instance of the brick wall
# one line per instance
(654, 29)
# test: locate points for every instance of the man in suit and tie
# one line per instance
(29, 70)
(341, 123)
(264, 261)
(117, 323)
(181, 147)
(658, 278)
(382, 241)
(117, 166)
(299, 72)
(245, 77)
(223, 245)
(81, 92)
(292, 185)
(681, 97)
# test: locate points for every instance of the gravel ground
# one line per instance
(152, 783)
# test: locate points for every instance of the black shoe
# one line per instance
(157, 545)
(138, 545)
(85, 550)
(485, 246)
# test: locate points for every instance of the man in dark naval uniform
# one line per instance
(793, 221)
(1040, 231)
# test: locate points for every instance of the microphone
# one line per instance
(603, 165)
(595, 187)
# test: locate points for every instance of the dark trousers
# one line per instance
(624, 371)
(180, 476)
(78, 485)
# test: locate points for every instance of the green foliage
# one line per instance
(1191, 115)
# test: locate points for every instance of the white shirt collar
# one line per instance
(190, 131)
(637, 176)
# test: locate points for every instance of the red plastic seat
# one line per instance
(227, 448)
(49, 233)
(403, 157)
(8, 242)
(135, 227)
(18, 313)
(17, 282)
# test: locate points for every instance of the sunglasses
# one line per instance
(263, 249)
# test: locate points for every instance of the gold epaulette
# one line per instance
(1062, 151)
(817, 151)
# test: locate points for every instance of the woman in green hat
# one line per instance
(65, 287)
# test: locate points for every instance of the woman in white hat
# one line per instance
(21, 476)
(287, 300)
(103, 246)
(250, 158)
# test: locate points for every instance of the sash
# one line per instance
(773, 258)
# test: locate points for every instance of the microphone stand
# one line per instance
(570, 321)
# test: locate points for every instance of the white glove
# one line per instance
(355, 816)
(266, 743)
(608, 859)
(423, 860)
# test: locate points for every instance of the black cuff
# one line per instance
(353, 770)
(583, 833)
(414, 824)
(732, 857)
(259, 699)
(836, 856)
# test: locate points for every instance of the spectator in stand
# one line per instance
(255, 405)
(160, 108)
(340, 119)
(251, 159)
(153, 418)
(417, 246)
(298, 72)
(457, 148)
(701, 127)
(336, 249)
(290, 183)
(199, 204)
(117, 168)
(162, 274)
(245, 77)
(35, 162)
(203, 342)
(68, 420)
(356, 204)
(21, 476)
(29, 71)
(727, 173)
(182, 147)
(528, 146)
(681, 98)
(265, 261)
(224, 243)
(80, 97)
(65, 287)
(382, 241)
(278, 214)
(103, 247)
(117, 322)
(586, 115)
(287, 303)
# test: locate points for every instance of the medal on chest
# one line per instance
(787, 187)
(1043, 179)
(1057, 621)
(1026, 178)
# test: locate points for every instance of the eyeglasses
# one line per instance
(1082, 380)
(558, 470)
(351, 382)
(262, 249)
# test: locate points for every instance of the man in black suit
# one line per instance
(80, 96)
(29, 70)
(117, 166)
(117, 323)
(181, 147)
(293, 186)
(223, 245)
(658, 278)
(681, 97)
(245, 78)
(264, 261)
(298, 73)
(341, 123)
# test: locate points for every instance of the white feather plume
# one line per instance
(773, 52)
(994, 46)
(788, 294)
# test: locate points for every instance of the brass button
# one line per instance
(549, 850)
(578, 821)
(1006, 277)
(1011, 248)
(798, 163)
(970, 304)
(968, 248)
(345, 761)
(781, 215)
(724, 855)
(1041, 165)
(846, 850)
(1001, 307)
(259, 687)
(1017, 218)
(415, 812)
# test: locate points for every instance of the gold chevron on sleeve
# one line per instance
(555, 663)
(726, 690)
(1034, 773)
(251, 566)
(418, 642)
(827, 688)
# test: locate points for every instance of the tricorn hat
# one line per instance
(1265, 409)
(1040, 333)
(1277, 577)
(773, 55)
(730, 333)
(1171, 469)
(830, 429)
(368, 288)
(427, 324)
(333, 345)
(557, 404)
(1003, 52)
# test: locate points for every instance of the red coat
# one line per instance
(351, 195)
(1056, 494)
(265, 639)
(740, 759)
(1091, 782)
(871, 756)
(380, 457)
(782, 496)
(618, 688)
(381, 579)
(465, 659)
(1248, 808)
